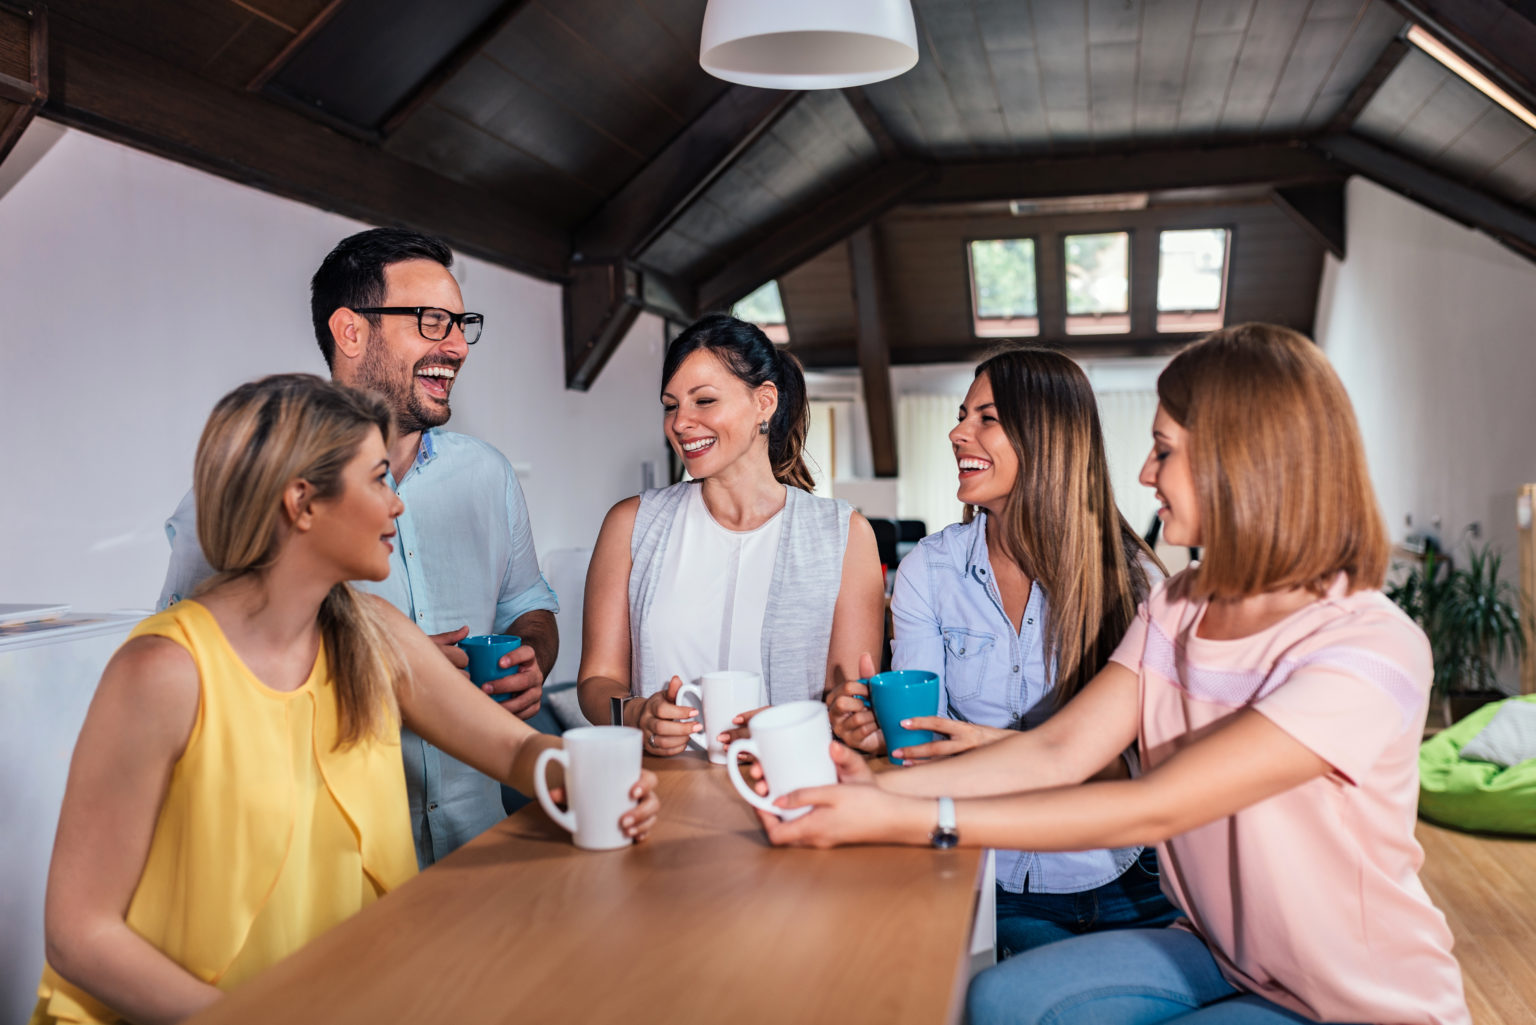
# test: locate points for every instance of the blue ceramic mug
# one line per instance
(485, 653)
(902, 694)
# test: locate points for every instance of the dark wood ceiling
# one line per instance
(578, 140)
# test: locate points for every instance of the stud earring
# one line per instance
(762, 428)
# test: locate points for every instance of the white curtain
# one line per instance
(925, 489)
(1127, 420)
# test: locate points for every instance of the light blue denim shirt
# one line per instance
(463, 556)
(949, 619)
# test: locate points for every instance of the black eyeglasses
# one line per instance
(434, 322)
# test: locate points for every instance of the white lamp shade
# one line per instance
(807, 44)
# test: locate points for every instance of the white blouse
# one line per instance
(712, 593)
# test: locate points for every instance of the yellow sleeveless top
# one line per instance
(268, 836)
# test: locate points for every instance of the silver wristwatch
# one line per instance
(945, 835)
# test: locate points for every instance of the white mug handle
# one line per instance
(693, 690)
(752, 797)
(566, 819)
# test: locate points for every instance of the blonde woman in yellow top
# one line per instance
(237, 787)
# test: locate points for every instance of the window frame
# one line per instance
(1174, 322)
(1100, 324)
(1005, 327)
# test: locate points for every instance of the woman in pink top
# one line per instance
(1276, 699)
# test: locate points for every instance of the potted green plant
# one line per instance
(1473, 620)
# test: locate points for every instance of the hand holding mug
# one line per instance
(612, 800)
(848, 813)
(958, 736)
(852, 720)
(448, 644)
(664, 724)
(522, 688)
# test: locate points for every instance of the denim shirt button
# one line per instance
(1015, 668)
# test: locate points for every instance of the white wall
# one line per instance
(137, 291)
(1431, 327)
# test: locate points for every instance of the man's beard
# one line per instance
(377, 373)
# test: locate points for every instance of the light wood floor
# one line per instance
(1487, 888)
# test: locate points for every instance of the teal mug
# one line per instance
(902, 694)
(485, 653)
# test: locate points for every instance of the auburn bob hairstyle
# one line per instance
(1285, 496)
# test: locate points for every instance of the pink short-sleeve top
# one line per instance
(1310, 899)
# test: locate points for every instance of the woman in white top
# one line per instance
(740, 568)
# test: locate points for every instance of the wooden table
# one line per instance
(704, 922)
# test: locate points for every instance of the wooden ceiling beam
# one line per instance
(1319, 210)
(452, 65)
(1387, 63)
(802, 235)
(1126, 171)
(1511, 225)
(108, 88)
(22, 32)
(1504, 60)
(837, 354)
(872, 333)
(599, 303)
(610, 245)
(647, 205)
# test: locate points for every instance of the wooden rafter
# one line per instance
(1127, 171)
(119, 92)
(633, 218)
(609, 280)
(452, 65)
(874, 348)
(800, 236)
(28, 95)
(1514, 227)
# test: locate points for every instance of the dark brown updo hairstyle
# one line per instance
(755, 361)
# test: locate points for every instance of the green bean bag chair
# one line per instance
(1476, 795)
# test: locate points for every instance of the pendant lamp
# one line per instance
(807, 44)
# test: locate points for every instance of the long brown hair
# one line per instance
(1061, 524)
(1284, 492)
(259, 438)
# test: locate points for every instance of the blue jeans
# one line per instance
(1130, 977)
(1133, 901)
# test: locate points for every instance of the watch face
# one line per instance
(944, 839)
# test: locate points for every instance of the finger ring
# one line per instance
(653, 739)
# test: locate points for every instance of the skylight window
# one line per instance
(1192, 279)
(765, 308)
(1098, 272)
(1004, 302)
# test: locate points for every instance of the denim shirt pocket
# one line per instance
(966, 654)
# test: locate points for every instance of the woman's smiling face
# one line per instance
(987, 463)
(1168, 471)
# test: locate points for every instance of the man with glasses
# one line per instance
(388, 317)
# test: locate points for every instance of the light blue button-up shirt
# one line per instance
(463, 556)
(949, 619)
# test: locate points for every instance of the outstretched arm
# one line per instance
(1246, 760)
(448, 712)
(1069, 747)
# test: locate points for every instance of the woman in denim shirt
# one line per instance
(1016, 608)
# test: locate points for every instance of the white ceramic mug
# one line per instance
(602, 764)
(791, 742)
(721, 697)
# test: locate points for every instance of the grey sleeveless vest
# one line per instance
(797, 624)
